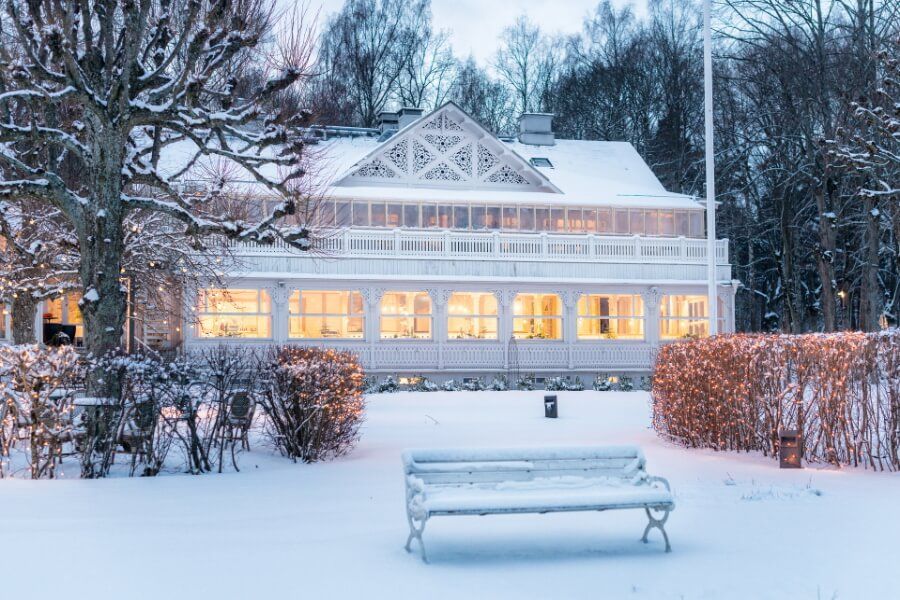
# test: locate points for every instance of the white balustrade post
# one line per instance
(592, 245)
(345, 241)
(495, 241)
(447, 242)
(397, 242)
(544, 249)
(638, 251)
(651, 298)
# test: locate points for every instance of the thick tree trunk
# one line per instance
(825, 260)
(102, 241)
(23, 313)
(870, 298)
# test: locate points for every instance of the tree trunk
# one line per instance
(870, 298)
(101, 237)
(23, 312)
(825, 259)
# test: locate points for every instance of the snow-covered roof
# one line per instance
(446, 156)
(586, 173)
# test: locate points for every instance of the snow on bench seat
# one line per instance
(472, 481)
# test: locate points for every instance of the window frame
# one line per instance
(259, 291)
(476, 315)
(560, 318)
(640, 318)
(412, 315)
(349, 315)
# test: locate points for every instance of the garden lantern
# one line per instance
(550, 407)
(789, 449)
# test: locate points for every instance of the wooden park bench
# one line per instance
(531, 480)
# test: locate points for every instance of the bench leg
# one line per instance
(657, 524)
(415, 532)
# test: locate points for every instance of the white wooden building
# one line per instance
(451, 252)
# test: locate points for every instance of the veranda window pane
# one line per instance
(590, 220)
(460, 217)
(360, 214)
(604, 220)
(542, 219)
(681, 223)
(611, 316)
(558, 219)
(651, 222)
(574, 220)
(342, 214)
(666, 222)
(526, 218)
(492, 217)
(325, 214)
(445, 217)
(378, 215)
(478, 214)
(697, 229)
(411, 216)
(510, 218)
(622, 221)
(228, 313)
(637, 222)
(394, 215)
(429, 215)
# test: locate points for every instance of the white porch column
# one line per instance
(439, 299)
(505, 300)
(372, 298)
(280, 294)
(570, 322)
(651, 299)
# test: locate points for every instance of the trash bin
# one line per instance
(550, 407)
(789, 450)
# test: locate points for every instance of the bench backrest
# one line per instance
(494, 465)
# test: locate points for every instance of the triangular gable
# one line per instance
(447, 148)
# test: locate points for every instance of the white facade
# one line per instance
(450, 251)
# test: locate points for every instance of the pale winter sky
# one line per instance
(476, 25)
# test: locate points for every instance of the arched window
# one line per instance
(537, 317)
(472, 316)
(406, 315)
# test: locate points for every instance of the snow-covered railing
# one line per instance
(410, 243)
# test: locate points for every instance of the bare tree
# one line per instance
(135, 79)
(527, 61)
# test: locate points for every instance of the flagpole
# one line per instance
(712, 293)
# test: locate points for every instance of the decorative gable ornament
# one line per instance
(444, 148)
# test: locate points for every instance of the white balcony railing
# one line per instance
(406, 243)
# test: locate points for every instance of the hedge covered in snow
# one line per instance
(841, 391)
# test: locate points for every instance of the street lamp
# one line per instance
(710, 172)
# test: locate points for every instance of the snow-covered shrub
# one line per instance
(425, 385)
(526, 383)
(313, 401)
(371, 385)
(388, 386)
(500, 384)
(601, 384)
(575, 385)
(555, 384)
(450, 386)
(474, 385)
(841, 391)
(626, 384)
(646, 383)
(37, 388)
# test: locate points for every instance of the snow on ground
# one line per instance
(742, 527)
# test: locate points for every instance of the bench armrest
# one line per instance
(650, 480)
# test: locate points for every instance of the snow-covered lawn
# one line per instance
(742, 527)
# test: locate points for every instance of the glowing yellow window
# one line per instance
(65, 311)
(234, 313)
(406, 315)
(326, 314)
(472, 316)
(683, 316)
(616, 316)
(537, 316)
